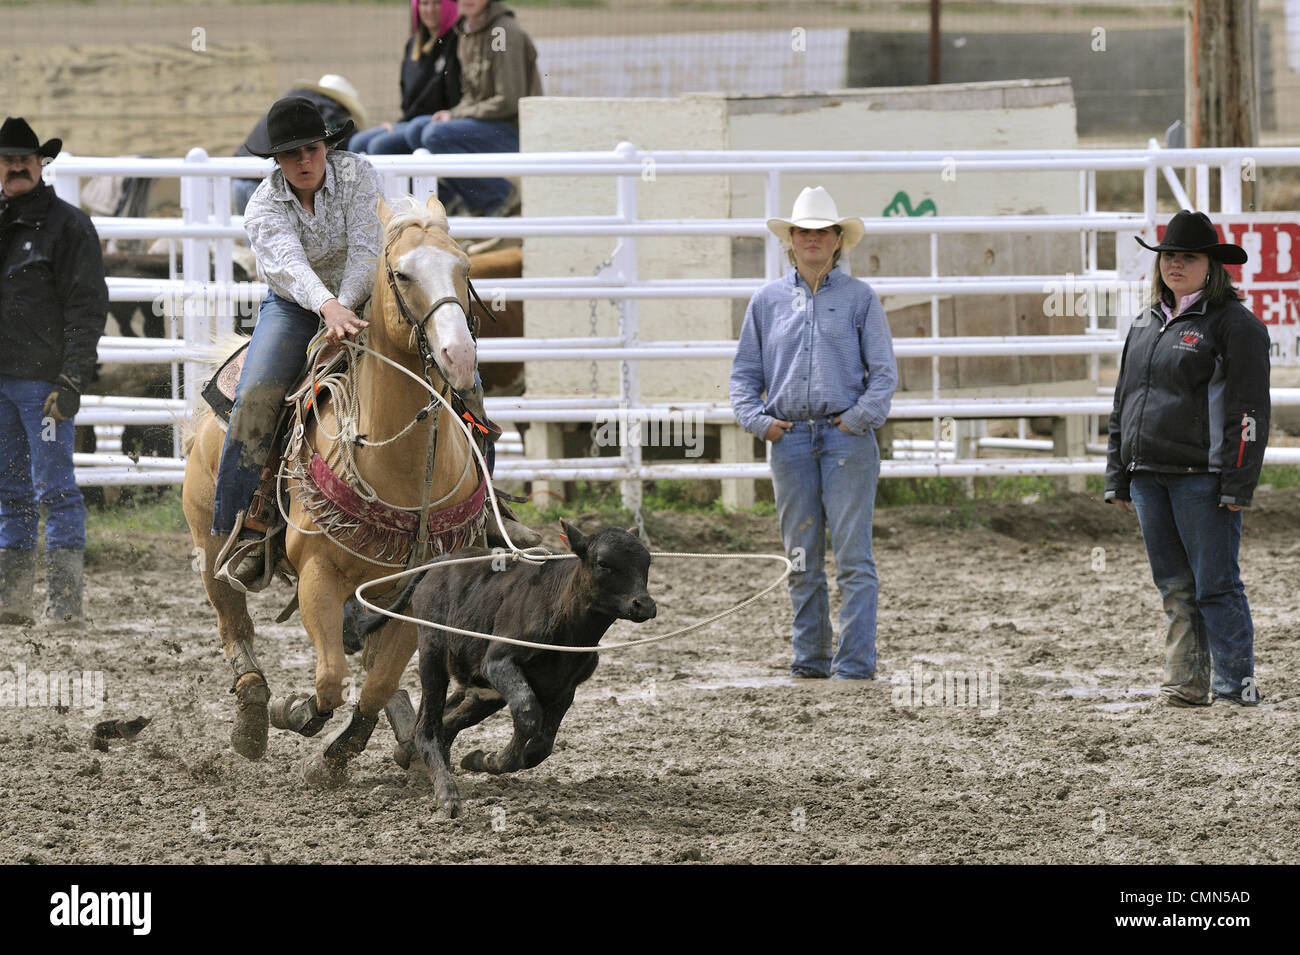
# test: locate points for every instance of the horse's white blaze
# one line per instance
(434, 270)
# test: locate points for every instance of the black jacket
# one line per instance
(1192, 397)
(53, 297)
(432, 82)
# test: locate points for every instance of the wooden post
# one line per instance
(1070, 440)
(737, 447)
(1221, 69)
(544, 441)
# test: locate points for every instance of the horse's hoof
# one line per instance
(299, 714)
(324, 773)
(281, 707)
(248, 736)
(451, 806)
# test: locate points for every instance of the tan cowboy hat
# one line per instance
(815, 209)
(339, 89)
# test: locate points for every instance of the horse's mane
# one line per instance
(409, 211)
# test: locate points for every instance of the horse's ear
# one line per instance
(437, 211)
(385, 213)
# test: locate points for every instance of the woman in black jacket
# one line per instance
(1187, 438)
(430, 77)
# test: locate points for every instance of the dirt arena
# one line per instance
(701, 749)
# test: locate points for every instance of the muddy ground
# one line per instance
(701, 749)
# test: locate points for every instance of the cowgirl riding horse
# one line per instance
(314, 229)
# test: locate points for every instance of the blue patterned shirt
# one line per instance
(804, 356)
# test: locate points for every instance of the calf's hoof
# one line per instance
(324, 773)
(477, 762)
(405, 753)
(450, 804)
(248, 735)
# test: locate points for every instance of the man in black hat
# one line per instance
(53, 302)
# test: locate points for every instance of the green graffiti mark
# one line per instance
(902, 206)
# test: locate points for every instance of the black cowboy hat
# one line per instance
(1194, 232)
(18, 139)
(290, 123)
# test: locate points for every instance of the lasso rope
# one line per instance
(532, 556)
(341, 390)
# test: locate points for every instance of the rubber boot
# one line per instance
(17, 587)
(64, 573)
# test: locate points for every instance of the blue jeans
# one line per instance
(275, 360)
(241, 190)
(468, 136)
(1192, 545)
(378, 141)
(36, 470)
(826, 478)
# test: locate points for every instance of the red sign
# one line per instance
(1274, 250)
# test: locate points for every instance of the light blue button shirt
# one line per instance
(803, 356)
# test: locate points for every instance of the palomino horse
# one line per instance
(422, 272)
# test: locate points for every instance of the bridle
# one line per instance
(427, 357)
(429, 361)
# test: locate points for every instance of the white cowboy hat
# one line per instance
(815, 209)
(341, 91)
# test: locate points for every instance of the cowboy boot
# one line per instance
(64, 573)
(17, 587)
(241, 563)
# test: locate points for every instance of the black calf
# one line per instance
(560, 602)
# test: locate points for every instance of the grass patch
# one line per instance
(120, 534)
(1279, 476)
(951, 492)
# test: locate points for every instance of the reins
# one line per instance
(429, 361)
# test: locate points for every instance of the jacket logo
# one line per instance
(1191, 338)
(1190, 341)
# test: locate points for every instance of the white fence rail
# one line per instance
(203, 298)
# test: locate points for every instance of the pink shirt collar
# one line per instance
(1184, 303)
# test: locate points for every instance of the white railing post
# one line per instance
(67, 188)
(196, 270)
(934, 333)
(1230, 186)
(225, 313)
(625, 264)
(423, 186)
(1149, 200)
(773, 267)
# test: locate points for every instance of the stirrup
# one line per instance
(243, 564)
